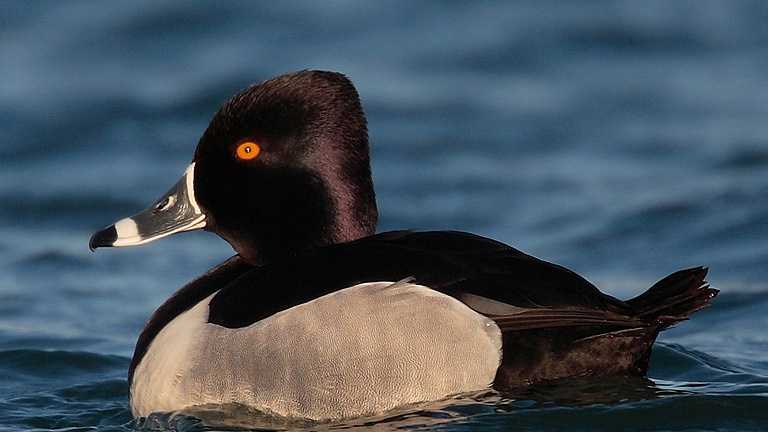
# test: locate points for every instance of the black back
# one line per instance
(451, 262)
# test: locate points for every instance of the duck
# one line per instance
(317, 316)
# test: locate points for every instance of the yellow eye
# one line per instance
(248, 150)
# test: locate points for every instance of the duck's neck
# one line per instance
(337, 212)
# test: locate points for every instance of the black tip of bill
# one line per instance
(103, 238)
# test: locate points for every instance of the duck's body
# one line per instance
(360, 350)
(319, 318)
(362, 327)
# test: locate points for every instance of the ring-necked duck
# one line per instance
(319, 317)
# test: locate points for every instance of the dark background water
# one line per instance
(623, 139)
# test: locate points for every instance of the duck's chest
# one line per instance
(360, 350)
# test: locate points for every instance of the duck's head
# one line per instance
(283, 166)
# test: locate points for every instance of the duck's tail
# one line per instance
(675, 298)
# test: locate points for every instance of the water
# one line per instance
(623, 139)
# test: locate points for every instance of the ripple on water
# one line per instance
(613, 403)
(71, 390)
(63, 390)
(42, 363)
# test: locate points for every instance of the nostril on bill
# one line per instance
(165, 203)
(161, 205)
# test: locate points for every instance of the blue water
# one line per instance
(622, 139)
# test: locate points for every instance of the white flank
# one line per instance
(358, 351)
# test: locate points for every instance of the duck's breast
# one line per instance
(357, 351)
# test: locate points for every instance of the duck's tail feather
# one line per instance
(675, 298)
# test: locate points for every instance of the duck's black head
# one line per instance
(283, 166)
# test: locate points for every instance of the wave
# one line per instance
(688, 389)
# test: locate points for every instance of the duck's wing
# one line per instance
(547, 318)
(484, 274)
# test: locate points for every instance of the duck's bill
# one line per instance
(174, 212)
